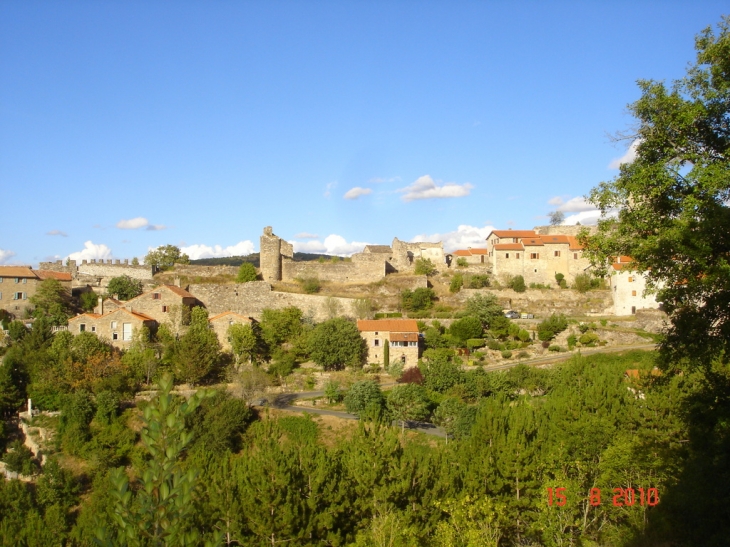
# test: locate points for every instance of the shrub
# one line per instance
(412, 375)
(495, 345)
(554, 347)
(424, 267)
(332, 392)
(538, 286)
(572, 340)
(362, 396)
(478, 281)
(589, 339)
(563, 284)
(89, 300)
(465, 329)
(246, 273)
(395, 368)
(603, 322)
(551, 327)
(583, 283)
(475, 343)
(389, 315)
(418, 300)
(523, 335)
(517, 284)
(522, 355)
(583, 328)
(456, 283)
(462, 262)
(310, 285)
(559, 278)
(506, 354)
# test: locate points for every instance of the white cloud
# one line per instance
(426, 188)
(137, 223)
(204, 251)
(628, 157)
(305, 235)
(328, 189)
(57, 233)
(461, 238)
(379, 180)
(573, 205)
(92, 251)
(6, 255)
(333, 244)
(356, 192)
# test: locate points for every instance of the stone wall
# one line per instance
(405, 254)
(250, 299)
(364, 268)
(543, 302)
(628, 293)
(272, 250)
(199, 270)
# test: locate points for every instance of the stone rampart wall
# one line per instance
(362, 269)
(543, 302)
(199, 270)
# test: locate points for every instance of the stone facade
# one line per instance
(405, 254)
(628, 289)
(222, 322)
(472, 256)
(543, 302)
(400, 334)
(97, 273)
(273, 250)
(163, 301)
(537, 257)
(18, 284)
(363, 268)
(117, 327)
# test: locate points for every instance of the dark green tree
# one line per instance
(517, 284)
(424, 266)
(246, 273)
(465, 328)
(337, 343)
(52, 300)
(198, 350)
(363, 396)
(124, 287)
(165, 257)
(485, 307)
(407, 402)
(418, 300)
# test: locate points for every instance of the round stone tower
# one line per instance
(270, 256)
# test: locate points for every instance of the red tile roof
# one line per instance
(509, 247)
(48, 274)
(90, 315)
(387, 325)
(532, 241)
(574, 245)
(404, 337)
(478, 251)
(17, 271)
(462, 252)
(554, 239)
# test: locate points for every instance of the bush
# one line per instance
(583, 328)
(465, 329)
(572, 340)
(563, 284)
(559, 278)
(363, 396)
(551, 327)
(538, 286)
(523, 335)
(462, 262)
(473, 343)
(332, 392)
(603, 322)
(88, 300)
(246, 273)
(310, 285)
(506, 354)
(424, 267)
(478, 281)
(124, 287)
(584, 282)
(517, 284)
(418, 300)
(495, 345)
(554, 347)
(456, 283)
(389, 315)
(395, 368)
(589, 339)
(412, 375)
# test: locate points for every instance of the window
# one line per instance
(114, 325)
(164, 309)
(17, 280)
(633, 310)
(506, 255)
(93, 328)
(376, 333)
(155, 296)
(412, 344)
(517, 255)
(1, 279)
(126, 331)
(115, 336)
(18, 296)
(557, 253)
(575, 256)
(633, 293)
(631, 279)
(534, 256)
(25, 280)
(82, 327)
(376, 342)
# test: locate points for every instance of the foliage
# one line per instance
(124, 287)
(485, 307)
(246, 342)
(332, 307)
(52, 300)
(88, 300)
(198, 350)
(585, 282)
(465, 328)
(588, 339)
(420, 299)
(517, 284)
(363, 397)
(333, 392)
(462, 262)
(506, 354)
(551, 327)
(337, 343)
(559, 277)
(411, 375)
(457, 281)
(363, 308)
(440, 373)
(407, 402)
(250, 382)
(246, 273)
(310, 285)
(165, 257)
(160, 511)
(478, 281)
(556, 218)
(279, 326)
(218, 423)
(19, 459)
(424, 266)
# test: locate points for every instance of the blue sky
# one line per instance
(128, 125)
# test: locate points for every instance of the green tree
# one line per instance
(551, 327)
(197, 351)
(337, 343)
(124, 287)
(424, 266)
(582, 282)
(279, 326)
(363, 308)
(485, 307)
(246, 273)
(465, 328)
(456, 283)
(556, 218)
(462, 262)
(672, 201)
(88, 300)
(407, 402)
(245, 341)
(52, 300)
(517, 284)
(418, 300)
(159, 513)
(363, 396)
(165, 257)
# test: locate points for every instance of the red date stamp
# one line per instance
(622, 497)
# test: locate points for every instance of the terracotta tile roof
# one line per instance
(89, 315)
(509, 247)
(48, 274)
(478, 251)
(624, 259)
(574, 245)
(532, 242)
(17, 271)
(404, 337)
(387, 325)
(179, 291)
(461, 252)
(238, 315)
(554, 239)
(513, 233)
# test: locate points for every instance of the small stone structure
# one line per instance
(400, 334)
(97, 273)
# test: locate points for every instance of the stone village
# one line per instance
(537, 255)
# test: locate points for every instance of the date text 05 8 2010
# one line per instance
(623, 497)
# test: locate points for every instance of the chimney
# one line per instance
(101, 305)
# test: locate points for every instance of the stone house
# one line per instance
(536, 257)
(19, 283)
(627, 289)
(472, 256)
(401, 335)
(117, 327)
(222, 322)
(163, 303)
